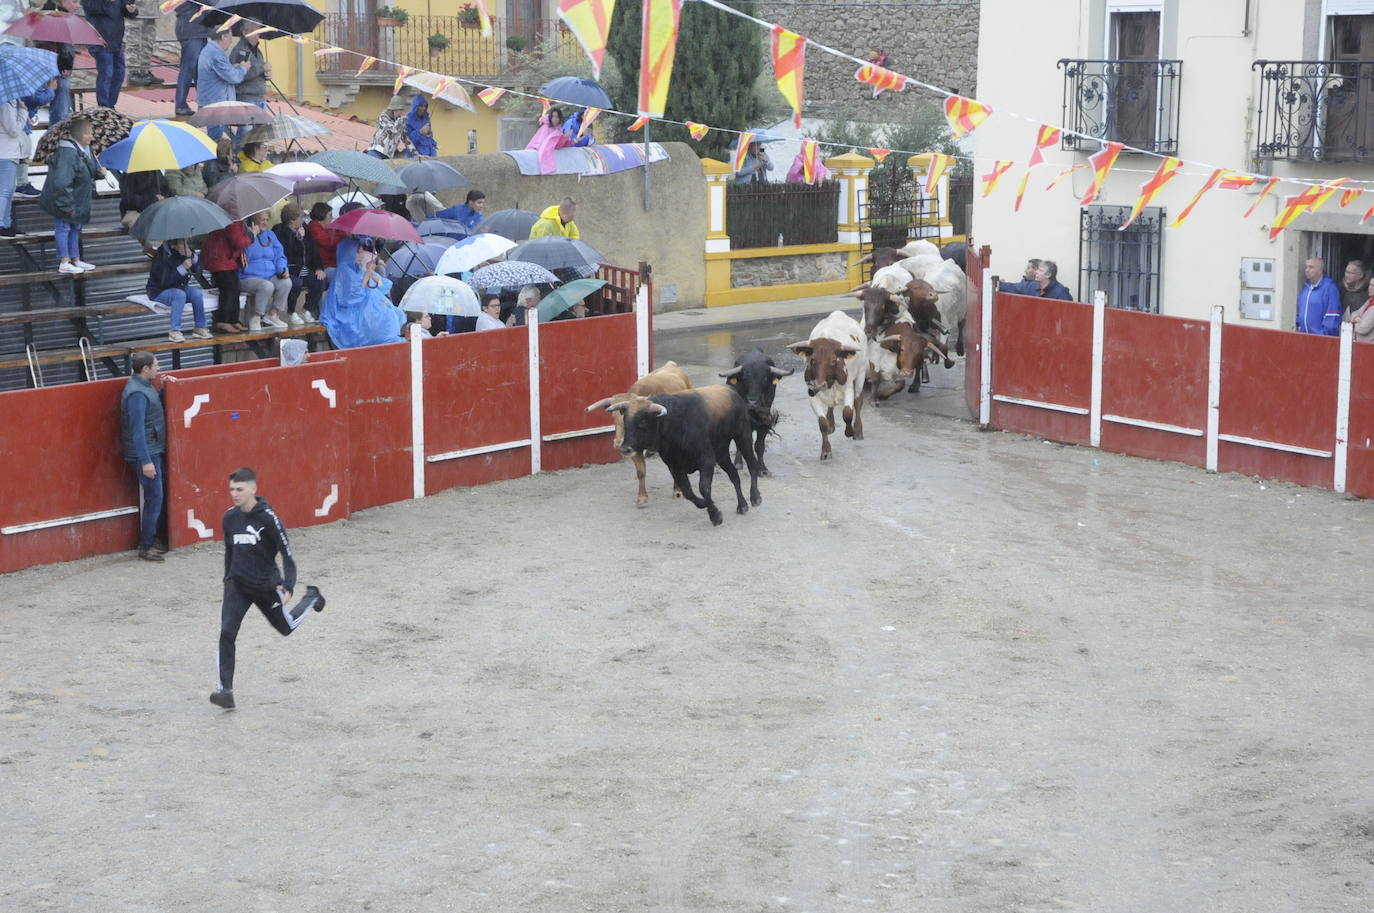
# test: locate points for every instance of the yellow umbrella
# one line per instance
(159, 145)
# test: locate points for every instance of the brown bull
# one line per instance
(667, 379)
(903, 350)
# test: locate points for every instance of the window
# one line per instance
(1123, 264)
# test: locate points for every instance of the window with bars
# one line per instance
(1123, 264)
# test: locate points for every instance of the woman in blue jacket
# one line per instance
(265, 278)
(419, 129)
(169, 282)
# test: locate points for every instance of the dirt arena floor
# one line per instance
(948, 670)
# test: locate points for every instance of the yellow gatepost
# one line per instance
(718, 176)
(852, 170)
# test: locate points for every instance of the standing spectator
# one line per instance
(223, 165)
(14, 148)
(294, 240)
(253, 89)
(264, 277)
(754, 169)
(184, 182)
(1353, 288)
(61, 106)
(216, 77)
(1319, 301)
(143, 441)
(68, 191)
(469, 212)
(191, 33)
(319, 254)
(557, 221)
(108, 18)
(253, 157)
(1363, 317)
(490, 318)
(39, 99)
(222, 254)
(169, 282)
(390, 141)
(419, 130)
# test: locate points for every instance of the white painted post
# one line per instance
(1095, 405)
(642, 330)
(532, 327)
(1214, 387)
(1343, 405)
(417, 417)
(985, 375)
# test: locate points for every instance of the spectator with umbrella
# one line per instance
(320, 254)
(169, 283)
(390, 139)
(185, 182)
(419, 130)
(108, 18)
(296, 242)
(357, 311)
(67, 194)
(60, 33)
(191, 34)
(253, 157)
(216, 77)
(468, 213)
(253, 89)
(222, 254)
(557, 221)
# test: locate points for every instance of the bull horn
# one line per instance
(658, 409)
(779, 372)
(618, 407)
(733, 372)
(891, 339)
(859, 288)
(601, 404)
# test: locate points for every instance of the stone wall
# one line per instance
(935, 41)
(758, 272)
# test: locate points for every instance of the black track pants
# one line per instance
(238, 598)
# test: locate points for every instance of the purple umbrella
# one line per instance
(307, 177)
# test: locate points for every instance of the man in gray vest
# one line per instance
(143, 441)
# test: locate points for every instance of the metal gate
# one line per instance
(897, 209)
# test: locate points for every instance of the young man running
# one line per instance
(252, 538)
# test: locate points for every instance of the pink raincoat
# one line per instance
(546, 141)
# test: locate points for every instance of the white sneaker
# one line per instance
(69, 268)
(275, 322)
(201, 332)
(176, 336)
(82, 264)
(295, 320)
(255, 324)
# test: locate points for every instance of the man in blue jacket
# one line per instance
(1319, 301)
(107, 16)
(143, 441)
(470, 212)
(1046, 283)
(216, 76)
(192, 35)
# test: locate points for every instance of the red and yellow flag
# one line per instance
(168, 5)
(1310, 200)
(1046, 137)
(1350, 196)
(789, 62)
(880, 78)
(230, 23)
(491, 95)
(638, 124)
(1063, 174)
(1208, 185)
(366, 64)
(1021, 190)
(544, 105)
(878, 153)
(260, 31)
(990, 179)
(741, 150)
(401, 74)
(939, 164)
(697, 130)
(1269, 185)
(658, 44)
(965, 115)
(483, 18)
(590, 23)
(808, 150)
(1368, 213)
(320, 52)
(1166, 172)
(198, 13)
(1102, 163)
(589, 115)
(1237, 180)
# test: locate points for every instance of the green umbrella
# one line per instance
(560, 299)
(357, 165)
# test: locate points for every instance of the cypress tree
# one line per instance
(718, 59)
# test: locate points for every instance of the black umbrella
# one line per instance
(510, 223)
(577, 91)
(426, 174)
(288, 17)
(178, 217)
(557, 253)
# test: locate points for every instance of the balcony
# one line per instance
(1315, 111)
(468, 53)
(1124, 101)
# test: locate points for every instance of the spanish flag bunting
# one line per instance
(491, 95)
(1207, 185)
(1021, 190)
(230, 23)
(1166, 172)
(589, 115)
(443, 86)
(741, 150)
(483, 19)
(880, 78)
(1237, 180)
(939, 164)
(320, 52)
(808, 160)
(260, 31)
(590, 23)
(401, 74)
(879, 154)
(697, 130)
(299, 39)
(658, 44)
(1310, 200)
(1063, 174)
(1102, 163)
(544, 106)
(366, 65)
(1328, 190)
(789, 61)
(965, 115)
(168, 5)
(1368, 213)
(1269, 185)
(638, 124)
(198, 13)
(1350, 196)
(1047, 136)
(990, 179)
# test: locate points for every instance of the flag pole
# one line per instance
(648, 180)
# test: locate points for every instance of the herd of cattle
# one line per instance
(913, 305)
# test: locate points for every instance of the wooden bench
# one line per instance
(46, 237)
(34, 315)
(52, 275)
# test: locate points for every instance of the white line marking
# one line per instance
(193, 410)
(330, 500)
(201, 529)
(325, 391)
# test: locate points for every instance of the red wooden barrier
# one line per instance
(379, 425)
(566, 387)
(1360, 455)
(1042, 353)
(289, 424)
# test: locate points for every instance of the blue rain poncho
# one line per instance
(356, 314)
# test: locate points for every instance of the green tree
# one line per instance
(719, 58)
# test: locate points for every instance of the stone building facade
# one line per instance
(935, 41)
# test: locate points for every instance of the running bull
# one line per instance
(755, 378)
(667, 379)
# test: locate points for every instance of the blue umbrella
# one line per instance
(577, 91)
(411, 259)
(449, 227)
(24, 70)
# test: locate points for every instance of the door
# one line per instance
(1135, 88)
(1348, 127)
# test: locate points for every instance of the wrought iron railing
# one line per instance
(1125, 264)
(1315, 110)
(758, 215)
(1134, 102)
(467, 53)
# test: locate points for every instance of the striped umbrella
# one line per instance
(159, 145)
(286, 126)
(24, 70)
(229, 114)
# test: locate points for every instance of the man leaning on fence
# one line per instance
(1319, 301)
(143, 443)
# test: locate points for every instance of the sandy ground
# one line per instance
(948, 670)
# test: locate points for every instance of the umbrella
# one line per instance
(229, 114)
(511, 274)
(560, 299)
(242, 195)
(352, 196)
(447, 227)
(557, 253)
(109, 125)
(510, 223)
(576, 91)
(469, 252)
(431, 83)
(24, 70)
(286, 126)
(357, 165)
(441, 295)
(57, 28)
(376, 223)
(291, 17)
(426, 174)
(158, 145)
(443, 241)
(412, 259)
(307, 177)
(178, 217)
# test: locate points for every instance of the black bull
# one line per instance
(755, 378)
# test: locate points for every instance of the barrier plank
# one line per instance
(1360, 453)
(1042, 354)
(289, 424)
(1154, 370)
(379, 432)
(581, 361)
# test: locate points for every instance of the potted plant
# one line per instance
(438, 43)
(391, 17)
(468, 17)
(517, 43)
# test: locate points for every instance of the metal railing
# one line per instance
(758, 215)
(467, 53)
(1315, 110)
(1126, 265)
(1134, 102)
